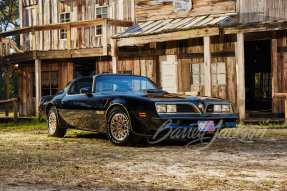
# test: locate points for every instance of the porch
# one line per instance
(55, 60)
(218, 44)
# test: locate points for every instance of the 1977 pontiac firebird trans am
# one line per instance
(127, 107)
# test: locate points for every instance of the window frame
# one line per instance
(64, 31)
(96, 28)
(218, 73)
(101, 7)
(199, 74)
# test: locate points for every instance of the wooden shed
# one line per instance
(231, 49)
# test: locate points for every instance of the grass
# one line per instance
(2, 114)
(28, 156)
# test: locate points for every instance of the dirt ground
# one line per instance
(248, 158)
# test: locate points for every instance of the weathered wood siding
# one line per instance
(40, 12)
(191, 52)
(145, 66)
(27, 82)
(187, 53)
(279, 104)
(162, 9)
(261, 10)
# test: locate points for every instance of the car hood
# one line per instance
(164, 96)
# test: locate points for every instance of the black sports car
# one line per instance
(129, 106)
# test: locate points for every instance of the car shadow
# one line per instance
(89, 136)
(144, 142)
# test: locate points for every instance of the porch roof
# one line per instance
(179, 24)
(229, 23)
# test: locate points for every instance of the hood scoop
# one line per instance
(153, 92)
(164, 94)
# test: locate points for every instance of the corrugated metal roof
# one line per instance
(169, 25)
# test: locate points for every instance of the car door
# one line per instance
(77, 109)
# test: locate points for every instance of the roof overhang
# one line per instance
(193, 27)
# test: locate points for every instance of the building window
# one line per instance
(64, 18)
(197, 74)
(218, 71)
(50, 83)
(101, 12)
(99, 30)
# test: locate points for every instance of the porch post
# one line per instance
(207, 65)
(38, 85)
(105, 37)
(7, 71)
(274, 69)
(241, 76)
(115, 57)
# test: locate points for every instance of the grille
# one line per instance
(209, 109)
(184, 109)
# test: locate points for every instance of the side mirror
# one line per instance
(87, 91)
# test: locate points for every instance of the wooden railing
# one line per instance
(15, 102)
(68, 26)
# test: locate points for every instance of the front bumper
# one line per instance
(149, 126)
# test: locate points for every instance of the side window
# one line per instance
(77, 86)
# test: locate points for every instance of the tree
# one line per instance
(9, 13)
(9, 20)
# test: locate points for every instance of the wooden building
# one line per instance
(231, 49)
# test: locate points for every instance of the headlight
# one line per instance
(171, 108)
(225, 108)
(217, 108)
(161, 108)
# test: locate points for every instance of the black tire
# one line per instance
(54, 129)
(119, 128)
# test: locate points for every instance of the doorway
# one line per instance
(84, 68)
(258, 78)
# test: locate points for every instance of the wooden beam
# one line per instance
(8, 48)
(7, 89)
(280, 95)
(274, 70)
(207, 65)
(34, 39)
(21, 22)
(87, 23)
(115, 57)
(180, 35)
(240, 76)
(15, 110)
(58, 26)
(15, 46)
(1, 46)
(38, 85)
(10, 101)
(69, 40)
(120, 23)
(105, 37)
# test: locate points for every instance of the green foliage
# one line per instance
(9, 14)
(13, 75)
(9, 20)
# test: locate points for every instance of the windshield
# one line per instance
(123, 84)
(64, 89)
